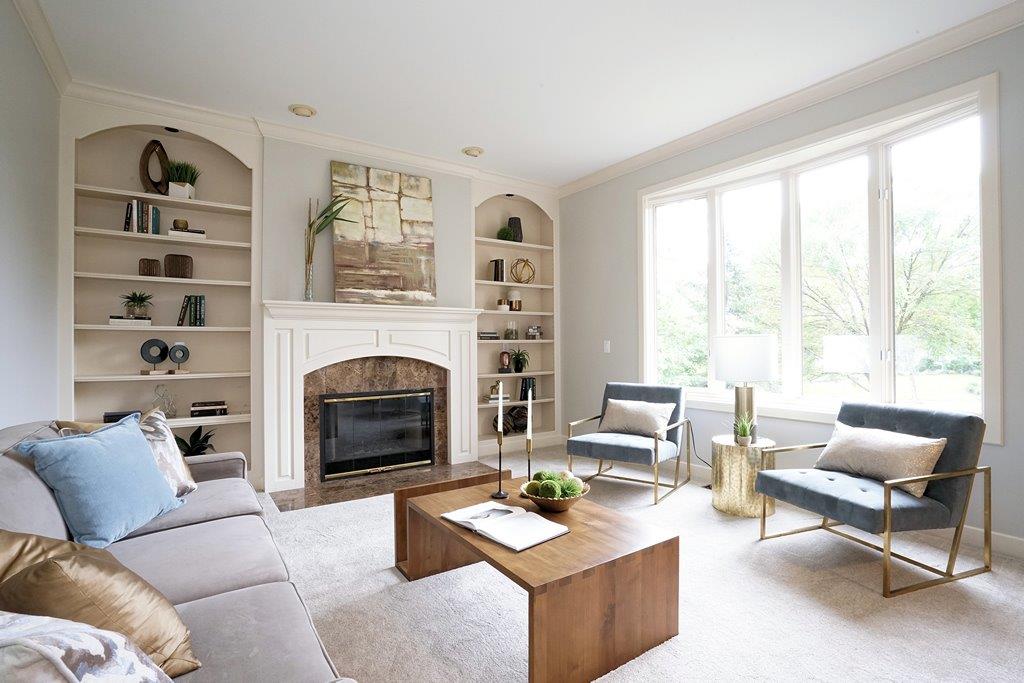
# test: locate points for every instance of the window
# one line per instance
(863, 254)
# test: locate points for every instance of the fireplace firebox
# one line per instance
(376, 431)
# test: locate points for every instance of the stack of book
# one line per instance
(138, 321)
(193, 311)
(493, 398)
(188, 233)
(208, 408)
(487, 336)
(140, 216)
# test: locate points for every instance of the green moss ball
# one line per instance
(545, 475)
(533, 488)
(571, 488)
(549, 488)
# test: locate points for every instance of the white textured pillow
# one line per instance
(635, 417)
(881, 455)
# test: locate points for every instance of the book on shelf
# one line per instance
(193, 311)
(487, 335)
(512, 527)
(209, 404)
(187, 233)
(208, 412)
(183, 313)
(154, 220)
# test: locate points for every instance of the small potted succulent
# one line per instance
(136, 304)
(743, 428)
(197, 444)
(182, 177)
(520, 359)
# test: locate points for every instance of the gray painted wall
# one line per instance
(600, 265)
(29, 109)
(294, 172)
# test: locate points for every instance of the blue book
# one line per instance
(154, 223)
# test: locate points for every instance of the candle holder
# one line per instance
(500, 494)
(529, 454)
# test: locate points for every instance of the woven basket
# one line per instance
(178, 265)
(149, 267)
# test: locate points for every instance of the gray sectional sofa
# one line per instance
(213, 557)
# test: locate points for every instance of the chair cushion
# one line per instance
(236, 641)
(851, 499)
(619, 447)
(107, 483)
(214, 499)
(191, 562)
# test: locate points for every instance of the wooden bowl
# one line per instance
(554, 504)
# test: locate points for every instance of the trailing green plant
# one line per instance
(136, 299)
(519, 357)
(197, 444)
(506, 233)
(743, 425)
(182, 172)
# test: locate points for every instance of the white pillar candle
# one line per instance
(501, 406)
(529, 413)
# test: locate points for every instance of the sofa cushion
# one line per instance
(196, 561)
(27, 504)
(260, 633)
(215, 499)
(851, 499)
(107, 483)
(619, 447)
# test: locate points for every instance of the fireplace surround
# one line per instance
(302, 337)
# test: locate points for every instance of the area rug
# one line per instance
(805, 607)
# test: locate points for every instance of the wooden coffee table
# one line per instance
(599, 596)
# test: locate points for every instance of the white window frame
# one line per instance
(871, 135)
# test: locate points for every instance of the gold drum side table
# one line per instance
(733, 471)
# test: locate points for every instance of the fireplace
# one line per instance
(375, 431)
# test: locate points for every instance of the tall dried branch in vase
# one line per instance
(314, 226)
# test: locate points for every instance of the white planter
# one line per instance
(181, 190)
(743, 440)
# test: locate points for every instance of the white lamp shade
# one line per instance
(746, 358)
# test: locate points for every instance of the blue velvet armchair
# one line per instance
(650, 451)
(878, 507)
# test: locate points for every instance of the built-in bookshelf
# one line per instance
(539, 307)
(106, 362)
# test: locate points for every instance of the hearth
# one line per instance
(375, 431)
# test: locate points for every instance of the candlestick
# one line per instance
(501, 411)
(529, 413)
(529, 453)
(500, 493)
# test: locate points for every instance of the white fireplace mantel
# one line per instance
(300, 337)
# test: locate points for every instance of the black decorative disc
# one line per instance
(178, 353)
(154, 351)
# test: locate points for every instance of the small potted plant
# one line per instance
(743, 428)
(197, 444)
(136, 304)
(182, 177)
(520, 359)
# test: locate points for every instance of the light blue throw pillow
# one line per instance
(107, 483)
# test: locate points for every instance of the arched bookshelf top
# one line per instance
(493, 213)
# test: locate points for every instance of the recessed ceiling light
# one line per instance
(303, 110)
(473, 151)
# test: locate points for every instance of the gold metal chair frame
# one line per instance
(886, 548)
(656, 482)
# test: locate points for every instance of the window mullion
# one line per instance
(716, 282)
(790, 266)
(882, 358)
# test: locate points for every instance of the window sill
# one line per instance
(784, 411)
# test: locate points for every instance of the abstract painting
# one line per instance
(386, 255)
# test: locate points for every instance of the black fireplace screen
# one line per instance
(375, 431)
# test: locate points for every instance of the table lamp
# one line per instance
(745, 358)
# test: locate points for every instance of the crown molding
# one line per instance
(333, 141)
(42, 35)
(976, 30)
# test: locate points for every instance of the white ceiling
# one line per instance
(552, 89)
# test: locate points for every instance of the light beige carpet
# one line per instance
(806, 607)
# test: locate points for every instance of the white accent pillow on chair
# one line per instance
(635, 417)
(880, 454)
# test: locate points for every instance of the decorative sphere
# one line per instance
(549, 488)
(565, 474)
(533, 488)
(570, 488)
(545, 475)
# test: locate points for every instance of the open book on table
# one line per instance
(511, 526)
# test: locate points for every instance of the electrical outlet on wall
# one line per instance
(607, 346)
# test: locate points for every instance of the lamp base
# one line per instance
(744, 407)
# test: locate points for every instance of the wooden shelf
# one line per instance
(208, 421)
(164, 280)
(534, 313)
(156, 239)
(159, 378)
(502, 375)
(491, 242)
(513, 285)
(515, 342)
(509, 404)
(161, 200)
(157, 328)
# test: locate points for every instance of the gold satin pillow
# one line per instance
(18, 551)
(88, 585)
